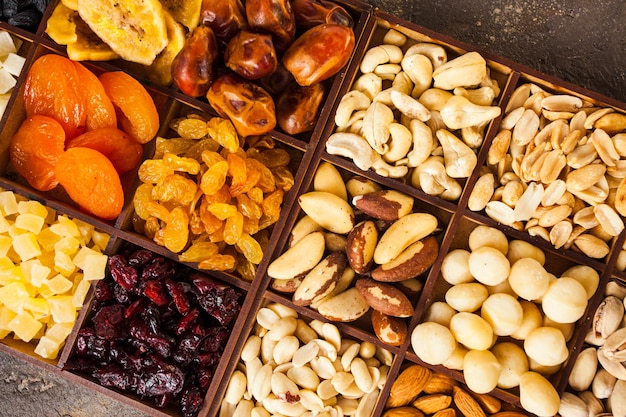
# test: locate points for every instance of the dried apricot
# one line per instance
(91, 181)
(52, 89)
(98, 107)
(113, 143)
(35, 149)
(134, 107)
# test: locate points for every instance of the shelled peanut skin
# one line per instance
(597, 382)
(556, 168)
(414, 114)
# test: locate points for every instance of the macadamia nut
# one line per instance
(546, 345)
(455, 267)
(529, 279)
(432, 342)
(537, 395)
(532, 319)
(519, 249)
(488, 265)
(514, 363)
(488, 236)
(565, 301)
(471, 330)
(481, 371)
(467, 296)
(503, 312)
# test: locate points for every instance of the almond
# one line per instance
(466, 404)
(440, 384)
(384, 297)
(430, 404)
(408, 385)
(489, 403)
(390, 330)
(413, 261)
(508, 414)
(403, 412)
(446, 412)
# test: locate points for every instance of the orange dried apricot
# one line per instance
(135, 110)
(98, 106)
(35, 149)
(91, 181)
(123, 152)
(51, 88)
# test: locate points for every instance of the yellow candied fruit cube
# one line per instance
(62, 309)
(30, 222)
(94, 267)
(65, 227)
(25, 326)
(6, 264)
(5, 244)
(35, 272)
(32, 207)
(26, 246)
(80, 258)
(15, 231)
(100, 239)
(38, 307)
(47, 348)
(4, 225)
(85, 230)
(80, 293)
(68, 245)
(8, 203)
(12, 275)
(14, 295)
(6, 315)
(59, 284)
(59, 331)
(63, 264)
(47, 239)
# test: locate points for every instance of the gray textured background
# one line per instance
(582, 42)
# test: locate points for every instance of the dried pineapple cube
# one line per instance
(80, 258)
(94, 267)
(59, 284)
(100, 239)
(30, 222)
(6, 315)
(68, 245)
(80, 293)
(59, 331)
(32, 207)
(85, 230)
(47, 239)
(63, 264)
(65, 227)
(14, 295)
(14, 274)
(8, 202)
(4, 224)
(26, 246)
(47, 348)
(5, 244)
(35, 272)
(38, 307)
(25, 326)
(62, 309)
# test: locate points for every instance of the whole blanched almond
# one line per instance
(360, 245)
(321, 279)
(384, 297)
(346, 306)
(390, 330)
(413, 261)
(384, 204)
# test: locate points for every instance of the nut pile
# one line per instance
(346, 259)
(418, 392)
(207, 198)
(597, 381)
(556, 169)
(414, 114)
(506, 320)
(293, 368)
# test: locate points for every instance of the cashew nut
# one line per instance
(387, 71)
(353, 100)
(423, 143)
(482, 96)
(459, 112)
(351, 146)
(436, 53)
(473, 135)
(420, 71)
(369, 84)
(466, 70)
(381, 54)
(459, 158)
(435, 98)
(431, 177)
(393, 37)
(399, 144)
(376, 123)
(401, 83)
(408, 106)
(386, 170)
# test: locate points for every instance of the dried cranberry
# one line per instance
(155, 291)
(208, 360)
(136, 307)
(185, 323)
(121, 295)
(151, 317)
(104, 291)
(114, 376)
(156, 382)
(186, 349)
(191, 401)
(123, 274)
(222, 305)
(177, 292)
(205, 376)
(159, 269)
(160, 344)
(140, 257)
(215, 340)
(107, 321)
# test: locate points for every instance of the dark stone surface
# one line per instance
(578, 41)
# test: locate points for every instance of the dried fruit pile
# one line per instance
(47, 265)
(158, 329)
(206, 196)
(25, 14)
(100, 122)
